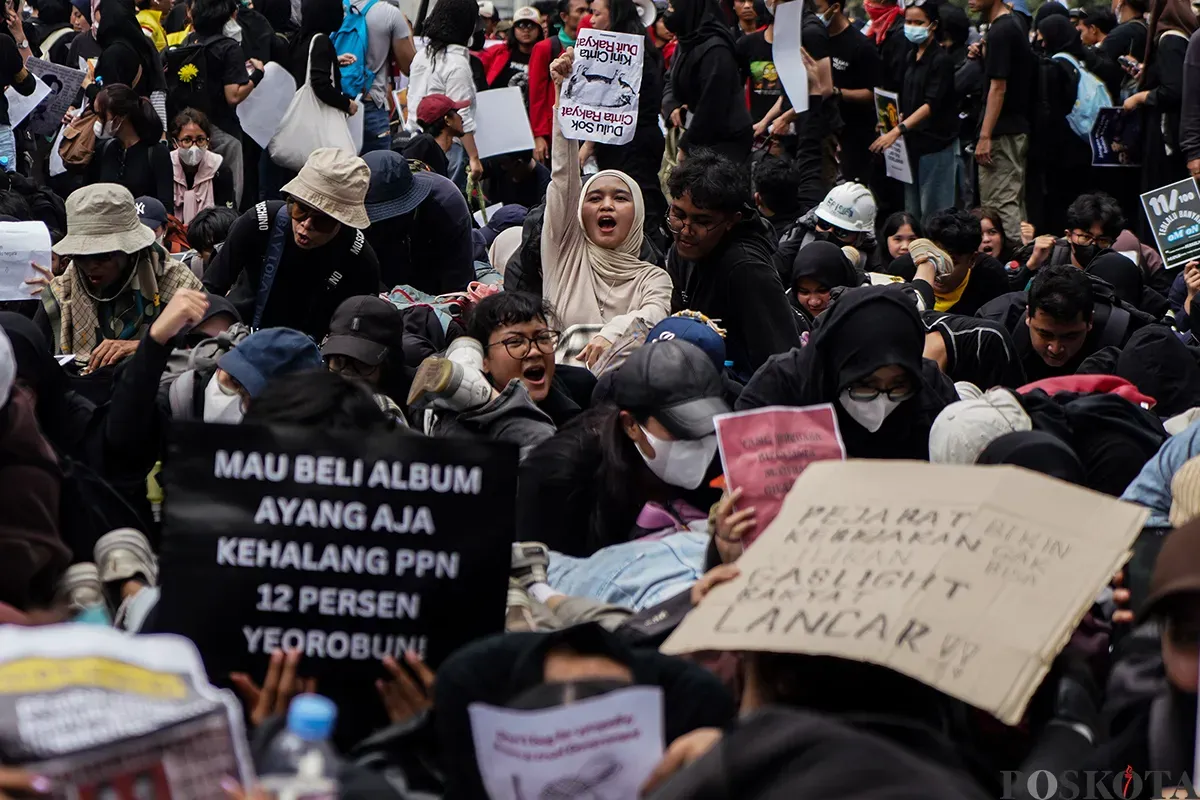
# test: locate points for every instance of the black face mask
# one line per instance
(1084, 253)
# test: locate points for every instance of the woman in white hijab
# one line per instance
(591, 238)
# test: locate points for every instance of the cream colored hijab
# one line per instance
(622, 263)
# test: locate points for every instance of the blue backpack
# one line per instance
(1090, 97)
(352, 38)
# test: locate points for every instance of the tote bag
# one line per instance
(308, 124)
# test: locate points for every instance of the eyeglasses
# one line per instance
(317, 220)
(526, 23)
(1086, 239)
(868, 393)
(914, 3)
(188, 141)
(518, 346)
(678, 220)
(345, 365)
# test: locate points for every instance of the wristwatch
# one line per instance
(23, 44)
(903, 129)
(837, 93)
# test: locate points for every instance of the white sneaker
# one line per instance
(124, 554)
(446, 384)
(80, 588)
(466, 351)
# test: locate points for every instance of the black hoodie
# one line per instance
(737, 283)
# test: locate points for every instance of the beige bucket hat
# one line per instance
(335, 182)
(102, 218)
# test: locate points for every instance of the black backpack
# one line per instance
(187, 78)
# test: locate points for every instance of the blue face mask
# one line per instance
(917, 34)
(825, 20)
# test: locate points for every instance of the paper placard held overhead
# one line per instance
(969, 579)
(764, 450)
(501, 122)
(20, 244)
(895, 158)
(601, 747)
(21, 106)
(786, 53)
(64, 83)
(263, 109)
(599, 101)
(1174, 215)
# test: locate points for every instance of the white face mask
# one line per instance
(869, 413)
(680, 462)
(104, 131)
(220, 404)
(191, 156)
(232, 30)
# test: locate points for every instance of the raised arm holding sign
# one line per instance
(599, 101)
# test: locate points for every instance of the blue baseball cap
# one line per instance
(690, 329)
(267, 354)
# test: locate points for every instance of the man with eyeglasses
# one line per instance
(290, 264)
(1094, 221)
(721, 261)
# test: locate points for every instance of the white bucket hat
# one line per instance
(334, 182)
(102, 218)
(964, 429)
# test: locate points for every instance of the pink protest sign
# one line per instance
(764, 450)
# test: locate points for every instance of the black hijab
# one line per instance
(1036, 450)
(874, 335)
(825, 263)
(61, 412)
(1161, 366)
(695, 21)
(119, 24)
(1121, 274)
(1060, 36)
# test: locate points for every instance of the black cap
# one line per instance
(1078, 13)
(219, 304)
(365, 328)
(676, 383)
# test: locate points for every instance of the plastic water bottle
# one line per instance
(301, 764)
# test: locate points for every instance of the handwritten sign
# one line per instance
(21, 243)
(764, 450)
(1174, 215)
(967, 578)
(599, 102)
(603, 746)
(895, 158)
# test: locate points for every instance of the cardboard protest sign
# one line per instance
(604, 746)
(501, 122)
(785, 50)
(599, 102)
(64, 84)
(764, 450)
(344, 547)
(968, 578)
(1174, 215)
(1116, 139)
(143, 720)
(895, 158)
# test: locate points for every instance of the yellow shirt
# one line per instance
(945, 302)
(176, 39)
(150, 20)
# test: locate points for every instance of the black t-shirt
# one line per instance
(144, 168)
(1007, 56)
(757, 61)
(12, 73)
(529, 192)
(930, 80)
(1127, 39)
(226, 67)
(856, 65)
(424, 148)
(517, 67)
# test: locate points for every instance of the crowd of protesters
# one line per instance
(745, 249)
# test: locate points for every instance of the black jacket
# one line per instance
(977, 351)
(738, 284)
(705, 78)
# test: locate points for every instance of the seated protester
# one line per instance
(420, 226)
(775, 194)
(1039, 451)
(32, 554)
(515, 179)
(995, 241)
(540, 670)
(1094, 221)
(1064, 318)
(153, 215)
(898, 232)
(221, 392)
(1183, 289)
(1128, 283)
(866, 359)
(218, 330)
(651, 441)
(200, 178)
(976, 277)
(493, 380)
(721, 261)
(291, 264)
(317, 398)
(974, 350)
(592, 235)
(206, 233)
(963, 430)
(819, 268)
(440, 124)
(845, 217)
(366, 342)
(128, 150)
(117, 283)
(1163, 367)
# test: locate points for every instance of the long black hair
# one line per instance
(210, 16)
(892, 224)
(450, 22)
(511, 39)
(120, 100)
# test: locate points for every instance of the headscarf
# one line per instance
(1036, 450)
(698, 20)
(119, 23)
(879, 334)
(1167, 15)
(882, 16)
(825, 263)
(1060, 36)
(1049, 10)
(1121, 274)
(1162, 367)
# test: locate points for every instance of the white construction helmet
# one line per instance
(849, 206)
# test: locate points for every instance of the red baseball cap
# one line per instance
(435, 106)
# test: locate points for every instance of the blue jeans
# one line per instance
(934, 182)
(8, 148)
(636, 574)
(377, 131)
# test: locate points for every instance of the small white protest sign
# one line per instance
(599, 101)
